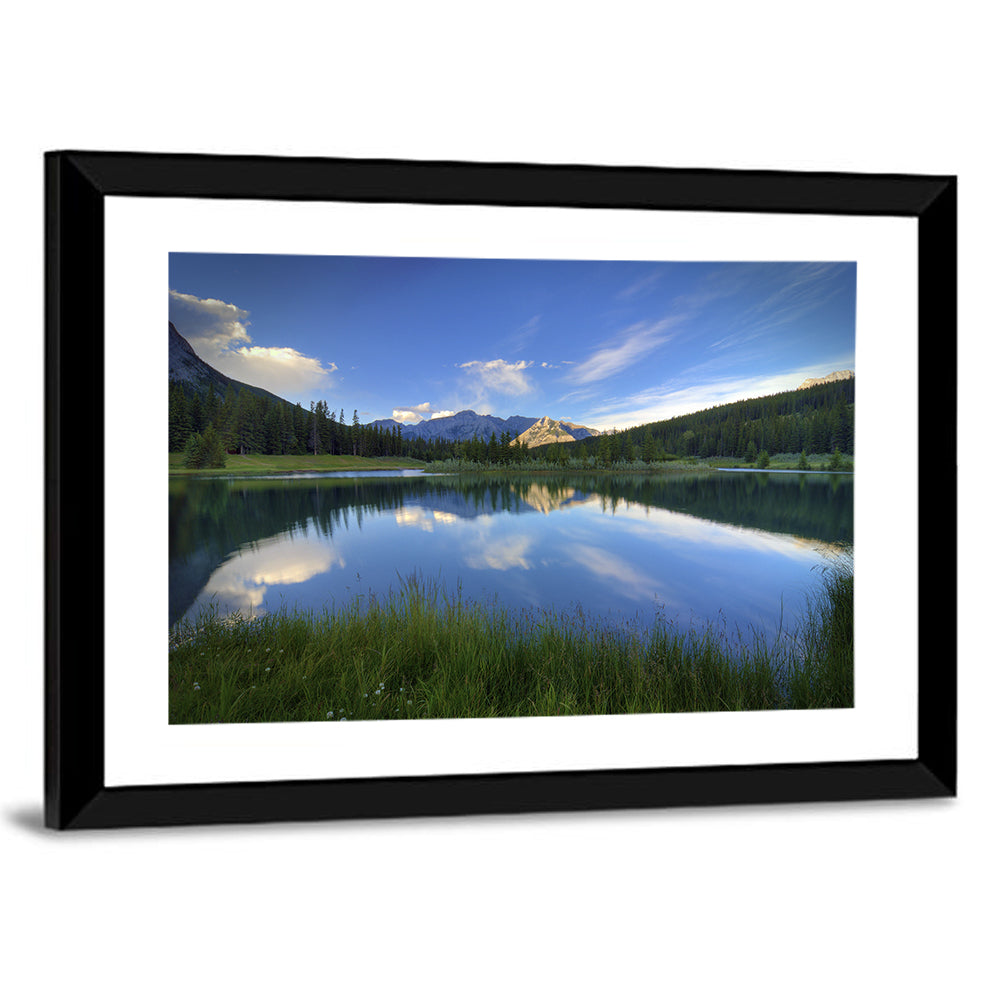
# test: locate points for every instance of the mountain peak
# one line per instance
(832, 377)
(548, 431)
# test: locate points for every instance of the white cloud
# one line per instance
(406, 415)
(209, 325)
(412, 414)
(506, 376)
(217, 331)
(487, 378)
(631, 345)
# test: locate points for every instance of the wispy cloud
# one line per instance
(630, 346)
(642, 285)
(807, 287)
(716, 286)
(675, 398)
(217, 331)
(524, 334)
(497, 377)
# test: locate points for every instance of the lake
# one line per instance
(738, 550)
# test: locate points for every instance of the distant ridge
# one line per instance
(461, 426)
(467, 424)
(832, 377)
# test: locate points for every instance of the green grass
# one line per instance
(263, 464)
(249, 465)
(818, 462)
(781, 461)
(420, 655)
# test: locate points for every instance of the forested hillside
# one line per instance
(819, 419)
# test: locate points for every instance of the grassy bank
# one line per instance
(255, 465)
(251, 465)
(418, 655)
(779, 462)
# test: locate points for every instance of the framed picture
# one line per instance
(494, 488)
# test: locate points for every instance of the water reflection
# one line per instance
(242, 581)
(628, 546)
(614, 571)
(498, 553)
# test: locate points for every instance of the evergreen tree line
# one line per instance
(205, 425)
(817, 420)
(244, 423)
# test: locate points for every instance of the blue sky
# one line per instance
(601, 343)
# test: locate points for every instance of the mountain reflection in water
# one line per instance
(684, 547)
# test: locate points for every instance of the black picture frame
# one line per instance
(76, 184)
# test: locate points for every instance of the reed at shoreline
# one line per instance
(420, 654)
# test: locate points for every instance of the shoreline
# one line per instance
(241, 466)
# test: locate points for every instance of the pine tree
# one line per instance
(179, 419)
(604, 450)
(648, 446)
(226, 424)
(205, 451)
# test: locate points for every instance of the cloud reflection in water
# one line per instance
(241, 583)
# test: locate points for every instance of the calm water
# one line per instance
(691, 549)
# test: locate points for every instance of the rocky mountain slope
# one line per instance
(461, 426)
(832, 377)
(188, 369)
(549, 431)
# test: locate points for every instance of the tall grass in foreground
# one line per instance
(421, 654)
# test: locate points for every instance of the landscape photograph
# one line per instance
(408, 488)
